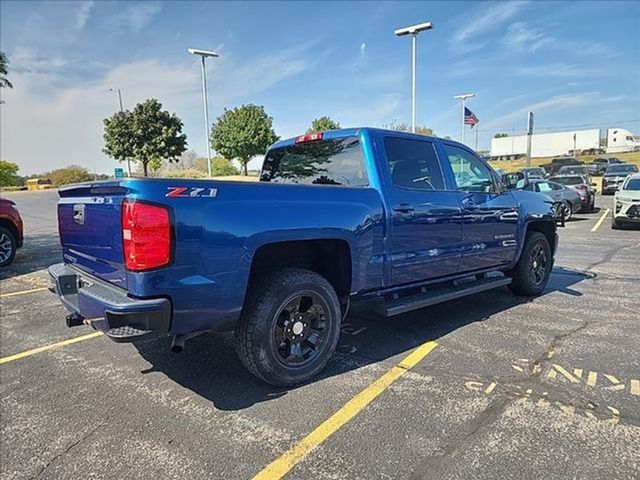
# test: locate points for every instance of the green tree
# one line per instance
(8, 174)
(148, 135)
(221, 167)
(243, 133)
(405, 127)
(4, 81)
(500, 135)
(323, 124)
(67, 175)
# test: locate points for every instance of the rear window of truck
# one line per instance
(337, 161)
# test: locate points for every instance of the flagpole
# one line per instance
(462, 124)
(463, 99)
(476, 125)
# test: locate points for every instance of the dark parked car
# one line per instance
(566, 199)
(599, 165)
(534, 173)
(10, 231)
(575, 170)
(559, 162)
(615, 175)
(580, 184)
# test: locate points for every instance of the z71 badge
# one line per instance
(191, 192)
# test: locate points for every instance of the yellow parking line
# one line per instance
(282, 465)
(600, 220)
(51, 346)
(23, 292)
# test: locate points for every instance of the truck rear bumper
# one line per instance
(109, 308)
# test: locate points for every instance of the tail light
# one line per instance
(309, 137)
(146, 236)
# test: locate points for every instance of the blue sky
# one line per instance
(572, 63)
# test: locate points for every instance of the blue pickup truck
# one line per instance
(336, 217)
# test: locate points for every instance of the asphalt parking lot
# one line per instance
(546, 388)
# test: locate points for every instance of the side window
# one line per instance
(472, 175)
(556, 186)
(543, 187)
(413, 164)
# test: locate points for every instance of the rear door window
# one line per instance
(413, 164)
(337, 161)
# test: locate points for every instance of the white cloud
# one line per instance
(45, 126)
(137, 16)
(483, 20)
(26, 59)
(559, 70)
(363, 49)
(557, 102)
(83, 13)
(521, 36)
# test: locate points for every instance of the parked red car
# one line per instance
(11, 235)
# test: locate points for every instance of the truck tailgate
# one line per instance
(89, 223)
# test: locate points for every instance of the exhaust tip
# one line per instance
(177, 344)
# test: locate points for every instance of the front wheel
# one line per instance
(8, 247)
(289, 326)
(567, 210)
(531, 273)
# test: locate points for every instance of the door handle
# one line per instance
(403, 208)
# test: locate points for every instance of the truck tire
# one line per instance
(289, 326)
(531, 273)
(8, 247)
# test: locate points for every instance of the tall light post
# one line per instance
(122, 110)
(463, 99)
(413, 30)
(203, 55)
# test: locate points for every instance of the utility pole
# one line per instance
(122, 110)
(529, 135)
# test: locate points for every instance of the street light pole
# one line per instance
(414, 54)
(203, 55)
(122, 110)
(463, 99)
(413, 30)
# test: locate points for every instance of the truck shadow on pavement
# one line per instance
(210, 368)
(39, 251)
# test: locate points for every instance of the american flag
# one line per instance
(470, 117)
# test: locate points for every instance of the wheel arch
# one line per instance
(329, 257)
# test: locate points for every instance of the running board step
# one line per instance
(441, 294)
(129, 334)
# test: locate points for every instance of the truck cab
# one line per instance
(350, 215)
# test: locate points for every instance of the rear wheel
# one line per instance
(566, 209)
(8, 247)
(289, 326)
(531, 273)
